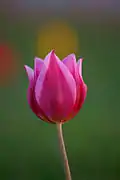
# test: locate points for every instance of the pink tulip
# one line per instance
(56, 89)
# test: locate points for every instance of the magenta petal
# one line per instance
(81, 90)
(38, 63)
(79, 64)
(31, 96)
(70, 62)
(29, 72)
(55, 89)
(81, 95)
(34, 105)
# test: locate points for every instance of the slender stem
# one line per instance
(63, 152)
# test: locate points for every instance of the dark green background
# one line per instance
(29, 147)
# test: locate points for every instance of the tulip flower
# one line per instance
(56, 92)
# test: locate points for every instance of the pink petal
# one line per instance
(31, 96)
(81, 88)
(81, 91)
(79, 64)
(34, 105)
(38, 63)
(55, 89)
(29, 72)
(70, 62)
(82, 95)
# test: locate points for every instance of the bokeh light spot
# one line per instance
(8, 64)
(59, 36)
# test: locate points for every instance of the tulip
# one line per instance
(56, 91)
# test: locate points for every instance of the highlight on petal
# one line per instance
(29, 72)
(38, 63)
(80, 66)
(55, 89)
(70, 62)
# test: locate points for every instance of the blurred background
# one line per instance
(29, 147)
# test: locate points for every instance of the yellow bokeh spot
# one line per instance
(58, 36)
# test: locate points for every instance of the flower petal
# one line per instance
(70, 62)
(29, 72)
(34, 105)
(79, 64)
(55, 89)
(31, 96)
(81, 88)
(82, 95)
(79, 101)
(38, 63)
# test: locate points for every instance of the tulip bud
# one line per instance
(56, 89)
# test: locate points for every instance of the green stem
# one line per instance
(63, 152)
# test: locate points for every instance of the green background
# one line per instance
(29, 147)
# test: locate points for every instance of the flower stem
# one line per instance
(63, 152)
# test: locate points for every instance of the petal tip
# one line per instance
(29, 71)
(80, 61)
(35, 58)
(51, 56)
(81, 58)
(25, 67)
(80, 65)
(53, 51)
(73, 55)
